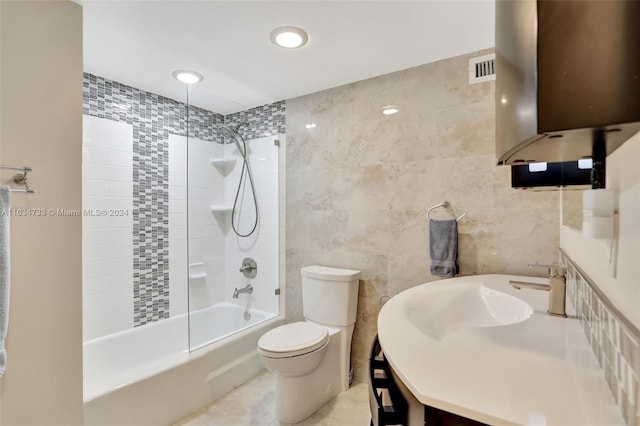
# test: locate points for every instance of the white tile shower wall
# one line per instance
(177, 225)
(205, 241)
(263, 245)
(153, 118)
(107, 247)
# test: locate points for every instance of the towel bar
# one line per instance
(20, 178)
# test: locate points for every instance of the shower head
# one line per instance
(231, 132)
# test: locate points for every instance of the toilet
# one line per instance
(311, 359)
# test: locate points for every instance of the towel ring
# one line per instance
(447, 207)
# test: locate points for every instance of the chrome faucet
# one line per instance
(557, 288)
(246, 289)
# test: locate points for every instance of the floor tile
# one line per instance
(253, 404)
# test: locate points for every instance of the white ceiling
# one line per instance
(140, 43)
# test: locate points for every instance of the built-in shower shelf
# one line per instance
(222, 165)
(221, 209)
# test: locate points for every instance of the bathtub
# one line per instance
(146, 375)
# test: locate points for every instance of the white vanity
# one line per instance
(481, 349)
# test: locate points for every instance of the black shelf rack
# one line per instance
(388, 405)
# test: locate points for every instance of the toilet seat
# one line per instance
(293, 339)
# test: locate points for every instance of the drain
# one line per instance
(247, 315)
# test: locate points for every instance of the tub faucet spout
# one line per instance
(246, 289)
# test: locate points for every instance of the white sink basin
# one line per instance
(442, 309)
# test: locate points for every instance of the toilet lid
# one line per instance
(293, 339)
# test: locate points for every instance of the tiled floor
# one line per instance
(253, 404)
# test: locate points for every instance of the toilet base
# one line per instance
(299, 397)
(294, 405)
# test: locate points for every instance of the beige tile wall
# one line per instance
(359, 184)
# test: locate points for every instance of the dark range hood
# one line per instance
(567, 79)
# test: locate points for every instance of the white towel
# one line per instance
(5, 206)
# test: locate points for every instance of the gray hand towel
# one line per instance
(443, 247)
(5, 206)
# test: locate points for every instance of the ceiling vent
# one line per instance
(482, 68)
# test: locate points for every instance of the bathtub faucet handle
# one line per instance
(249, 267)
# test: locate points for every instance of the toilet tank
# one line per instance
(330, 295)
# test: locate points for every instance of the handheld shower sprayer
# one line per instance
(232, 134)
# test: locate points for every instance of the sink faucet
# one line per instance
(246, 289)
(557, 288)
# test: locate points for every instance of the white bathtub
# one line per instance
(146, 375)
(220, 321)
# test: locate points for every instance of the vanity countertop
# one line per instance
(540, 371)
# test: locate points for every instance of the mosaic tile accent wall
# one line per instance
(153, 118)
(614, 341)
(265, 120)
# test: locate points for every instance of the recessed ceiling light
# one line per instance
(388, 110)
(289, 37)
(187, 77)
(310, 126)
